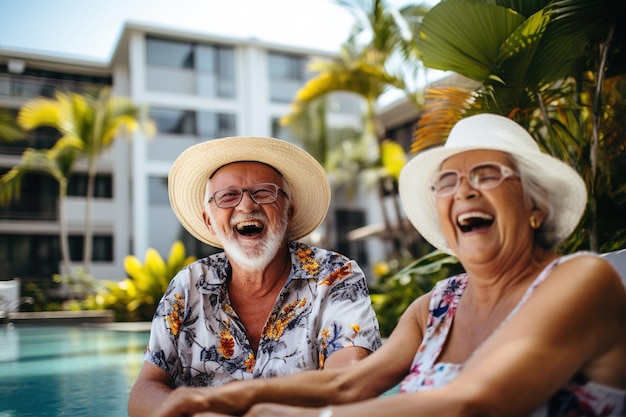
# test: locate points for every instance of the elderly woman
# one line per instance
(523, 332)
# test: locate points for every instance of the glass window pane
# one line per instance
(169, 53)
(157, 191)
(206, 57)
(101, 248)
(102, 187)
(213, 125)
(226, 72)
(174, 121)
(287, 74)
(227, 125)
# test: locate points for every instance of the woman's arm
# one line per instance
(574, 321)
(367, 378)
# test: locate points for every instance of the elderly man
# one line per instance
(267, 305)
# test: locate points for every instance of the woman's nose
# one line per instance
(465, 189)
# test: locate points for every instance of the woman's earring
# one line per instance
(534, 223)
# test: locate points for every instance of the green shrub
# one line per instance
(398, 287)
(136, 297)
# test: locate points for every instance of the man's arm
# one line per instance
(346, 356)
(153, 385)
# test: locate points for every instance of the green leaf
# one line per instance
(466, 36)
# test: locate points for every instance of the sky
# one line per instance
(89, 29)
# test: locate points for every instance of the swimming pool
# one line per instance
(68, 370)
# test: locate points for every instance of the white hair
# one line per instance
(540, 193)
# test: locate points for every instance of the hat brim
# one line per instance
(565, 188)
(308, 182)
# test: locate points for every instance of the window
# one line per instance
(226, 72)
(190, 67)
(216, 125)
(208, 125)
(29, 257)
(180, 122)
(157, 191)
(169, 53)
(102, 188)
(34, 82)
(347, 220)
(287, 67)
(282, 132)
(40, 138)
(38, 199)
(287, 74)
(102, 248)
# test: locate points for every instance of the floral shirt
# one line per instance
(580, 397)
(324, 306)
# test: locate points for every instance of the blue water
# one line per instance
(68, 371)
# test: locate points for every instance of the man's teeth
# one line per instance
(249, 223)
(464, 219)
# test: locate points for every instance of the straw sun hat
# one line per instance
(564, 186)
(308, 183)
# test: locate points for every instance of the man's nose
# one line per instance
(247, 203)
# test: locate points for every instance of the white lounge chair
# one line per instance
(618, 259)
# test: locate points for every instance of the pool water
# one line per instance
(67, 370)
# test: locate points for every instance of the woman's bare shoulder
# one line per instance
(591, 270)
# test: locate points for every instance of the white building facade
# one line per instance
(197, 87)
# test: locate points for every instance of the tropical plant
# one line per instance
(96, 120)
(56, 162)
(395, 289)
(368, 65)
(135, 298)
(9, 131)
(542, 63)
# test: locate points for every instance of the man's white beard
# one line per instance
(258, 254)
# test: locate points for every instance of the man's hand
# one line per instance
(185, 402)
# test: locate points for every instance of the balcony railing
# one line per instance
(29, 86)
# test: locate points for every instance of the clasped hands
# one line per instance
(224, 401)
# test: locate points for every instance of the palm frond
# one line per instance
(442, 109)
(39, 112)
(11, 186)
(466, 37)
(9, 130)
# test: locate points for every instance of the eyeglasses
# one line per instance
(265, 193)
(484, 176)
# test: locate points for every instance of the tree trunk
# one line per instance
(597, 119)
(88, 240)
(63, 233)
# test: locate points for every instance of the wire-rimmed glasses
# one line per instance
(484, 176)
(264, 193)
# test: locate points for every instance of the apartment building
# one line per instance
(198, 87)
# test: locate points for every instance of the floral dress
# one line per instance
(324, 306)
(580, 397)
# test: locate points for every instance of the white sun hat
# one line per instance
(308, 182)
(563, 184)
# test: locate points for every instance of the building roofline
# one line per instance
(49, 57)
(187, 35)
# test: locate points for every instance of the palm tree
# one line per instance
(539, 62)
(94, 119)
(368, 70)
(56, 162)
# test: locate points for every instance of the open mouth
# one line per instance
(249, 227)
(474, 220)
